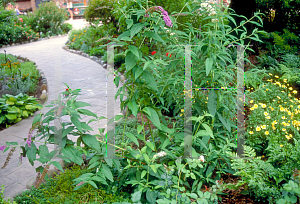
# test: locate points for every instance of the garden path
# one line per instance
(58, 66)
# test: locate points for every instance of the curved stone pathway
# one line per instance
(58, 66)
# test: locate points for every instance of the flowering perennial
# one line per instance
(166, 16)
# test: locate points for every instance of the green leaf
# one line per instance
(79, 104)
(146, 158)
(212, 102)
(146, 65)
(86, 126)
(209, 131)
(133, 107)
(134, 50)
(25, 113)
(67, 131)
(91, 141)
(130, 61)
(143, 173)
(72, 154)
(30, 107)
(136, 196)
(11, 100)
(135, 29)
(150, 144)
(57, 165)
(76, 122)
(31, 152)
(129, 23)
(133, 138)
(93, 184)
(139, 128)
(227, 126)
(138, 72)
(106, 172)
(11, 116)
(87, 112)
(208, 65)
(154, 36)
(148, 77)
(153, 116)
(210, 168)
(153, 167)
(151, 197)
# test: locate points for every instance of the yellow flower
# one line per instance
(181, 114)
(267, 132)
(283, 129)
(282, 109)
(251, 132)
(255, 106)
(295, 91)
(267, 89)
(278, 97)
(263, 127)
(258, 129)
(275, 122)
(266, 113)
(251, 101)
(268, 117)
(270, 74)
(276, 76)
(283, 117)
(290, 88)
(252, 108)
(182, 110)
(281, 145)
(263, 105)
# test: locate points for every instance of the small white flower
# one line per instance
(213, 13)
(160, 154)
(201, 158)
(214, 20)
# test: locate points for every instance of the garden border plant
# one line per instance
(145, 171)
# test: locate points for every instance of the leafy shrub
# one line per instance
(66, 27)
(12, 30)
(48, 19)
(14, 108)
(103, 14)
(60, 189)
(17, 77)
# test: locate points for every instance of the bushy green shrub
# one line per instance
(102, 12)
(60, 189)
(13, 30)
(48, 19)
(2, 198)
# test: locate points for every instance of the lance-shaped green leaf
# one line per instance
(148, 77)
(76, 122)
(133, 107)
(129, 23)
(134, 50)
(133, 138)
(153, 116)
(208, 65)
(130, 61)
(154, 36)
(227, 125)
(135, 29)
(212, 102)
(91, 141)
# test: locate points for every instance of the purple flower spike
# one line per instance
(2, 148)
(166, 17)
(146, 15)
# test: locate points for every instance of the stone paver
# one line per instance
(58, 66)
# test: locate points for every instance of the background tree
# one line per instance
(247, 9)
